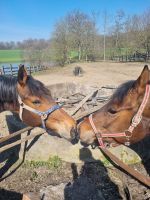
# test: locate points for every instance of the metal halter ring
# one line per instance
(128, 134)
(44, 116)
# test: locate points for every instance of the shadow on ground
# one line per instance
(5, 194)
(92, 182)
(142, 148)
(9, 157)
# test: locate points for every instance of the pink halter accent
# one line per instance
(135, 121)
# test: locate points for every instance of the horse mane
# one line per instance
(123, 90)
(8, 89)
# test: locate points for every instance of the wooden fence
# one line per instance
(136, 57)
(13, 70)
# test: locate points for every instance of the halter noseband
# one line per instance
(127, 133)
(44, 115)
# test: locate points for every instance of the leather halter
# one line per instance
(127, 133)
(44, 115)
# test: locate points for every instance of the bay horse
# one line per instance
(115, 123)
(33, 102)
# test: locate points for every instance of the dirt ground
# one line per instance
(97, 73)
(87, 181)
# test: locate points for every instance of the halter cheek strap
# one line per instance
(127, 133)
(44, 115)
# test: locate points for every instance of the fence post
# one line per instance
(11, 69)
(29, 70)
(2, 70)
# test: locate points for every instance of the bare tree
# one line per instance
(60, 42)
(35, 51)
(117, 30)
(146, 30)
(75, 32)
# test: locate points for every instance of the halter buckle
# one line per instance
(128, 136)
(98, 135)
(136, 120)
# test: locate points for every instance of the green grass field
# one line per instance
(10, 56)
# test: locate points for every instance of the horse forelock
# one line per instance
(37, 88)
(123, 90)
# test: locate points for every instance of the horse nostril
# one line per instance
(74, 136)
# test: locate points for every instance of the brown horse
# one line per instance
(33, 102)
(116, 116)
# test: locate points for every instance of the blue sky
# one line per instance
(23, 19)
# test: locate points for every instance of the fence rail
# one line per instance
(13, 70)
(136, 57)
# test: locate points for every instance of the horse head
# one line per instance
(116, 115)
(38, 108)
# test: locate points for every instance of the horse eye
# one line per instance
(36, 102)
(112, 111)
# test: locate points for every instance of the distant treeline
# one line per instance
(79, 36)
(36, 43)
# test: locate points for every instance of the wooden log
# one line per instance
(103, 98)
(134, 173)
(15, 134)
(86, 113)
(20, 141)
(83, 102)
(73, 101)
(109, 87)
(68, 101)
(78, 94)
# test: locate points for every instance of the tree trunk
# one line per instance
(79, 53)
(86, 58)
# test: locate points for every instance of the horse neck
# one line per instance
(9, 107)
(8, 94)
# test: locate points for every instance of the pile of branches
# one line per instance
(80, 105)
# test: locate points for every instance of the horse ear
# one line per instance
(22, 75)
(143, 79)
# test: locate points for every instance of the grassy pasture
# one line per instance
(11, 55)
